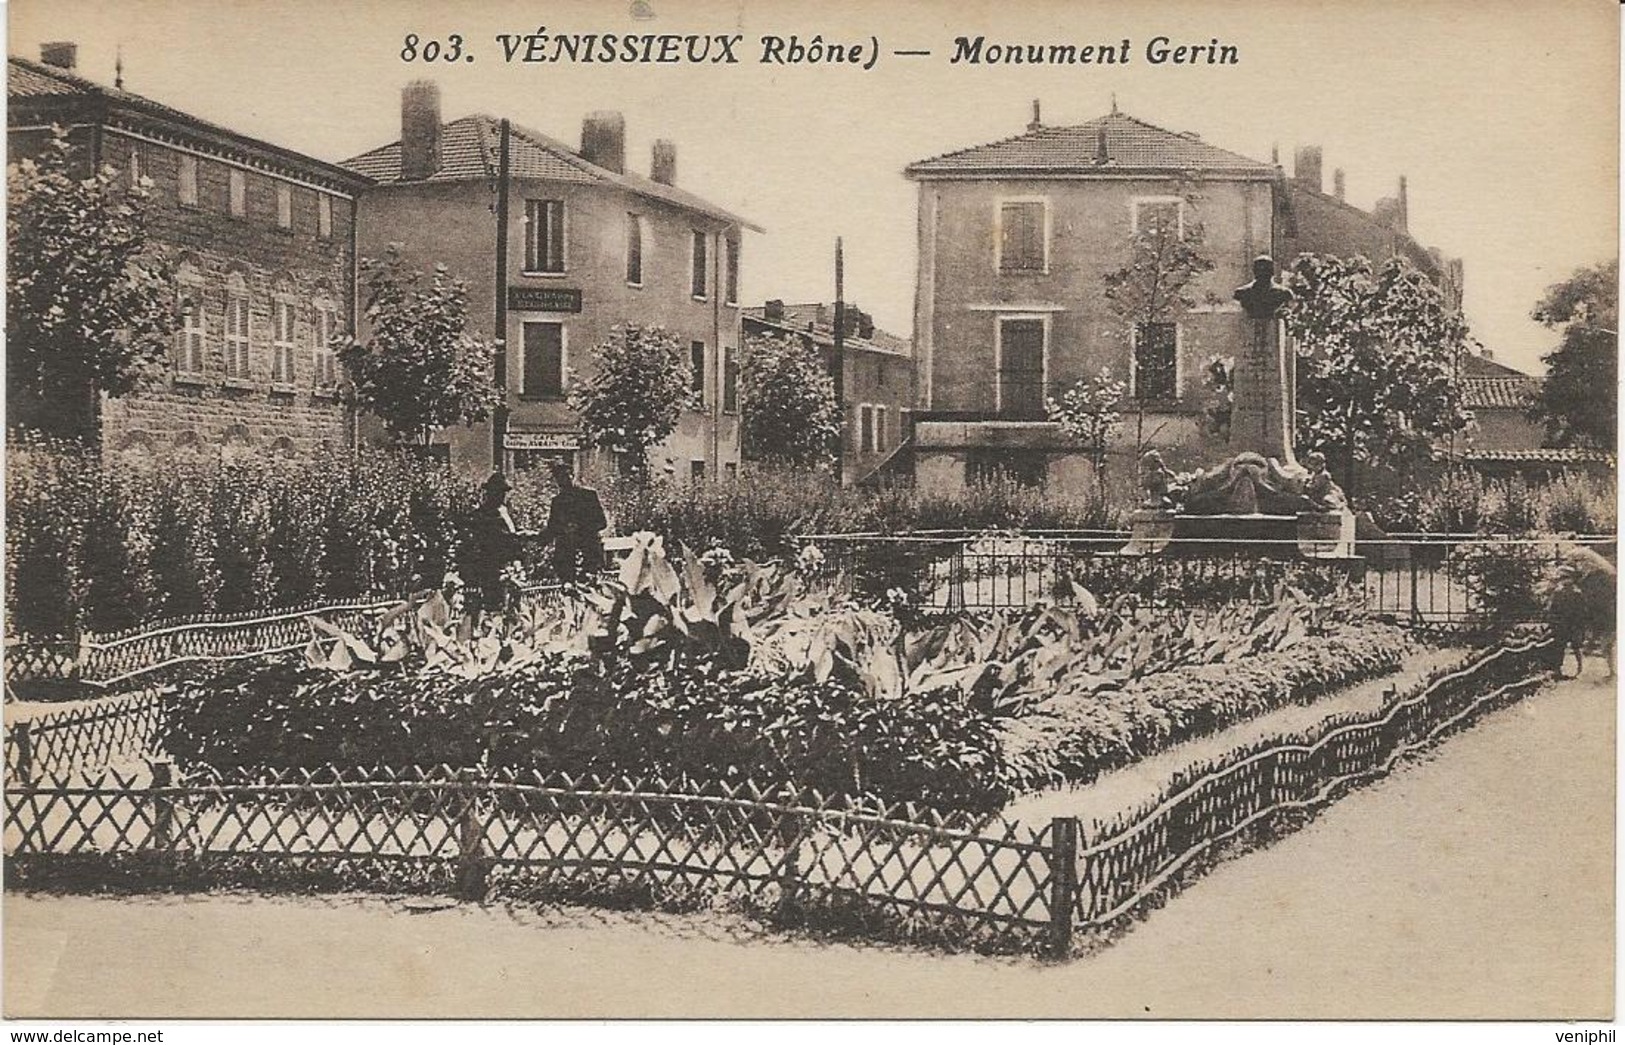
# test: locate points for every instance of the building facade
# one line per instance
(558, 247)
(1033, 274)
(263, 243)
(874, 376)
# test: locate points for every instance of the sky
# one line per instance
(1502, 115)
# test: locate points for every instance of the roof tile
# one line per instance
(1131, 144)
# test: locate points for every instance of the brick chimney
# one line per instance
(773, 312)
(1037, 121)
(420, 130)
(59, 54)
(1337, 183)
(663, 162)
(1306, 167)
(603, 140)
(1404, 204)
(1102, 156)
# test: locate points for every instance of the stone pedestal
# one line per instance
(1260, 418)
(1310, 535)
(1149, 532)
(1326, 535)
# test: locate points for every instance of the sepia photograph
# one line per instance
(732, 509)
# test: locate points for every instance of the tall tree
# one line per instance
(1378, 351)
(419, 369)
(636, 394)
(89, 309)
(1578, 400)
(788, 410)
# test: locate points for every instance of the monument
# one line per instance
(1262, 497)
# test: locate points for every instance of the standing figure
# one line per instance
(491, 546)
(575, 524)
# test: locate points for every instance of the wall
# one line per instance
(1327, 225)
(962, 293)
(453, 223)
(207, 412)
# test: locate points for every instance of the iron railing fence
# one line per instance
(961, 880)
(1416, 579)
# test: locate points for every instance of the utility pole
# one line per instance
(840, 357)
(499, 416)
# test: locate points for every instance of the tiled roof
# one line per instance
(1483, 366)
(1131, 144)
(805, 319)
(469, 149)
(1478, 393)
(28, 81)
(1548, 455)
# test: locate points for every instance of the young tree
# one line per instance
(419, 369)
(788, 410)
(1378, 351)
(88, 309)
(1577, 401)
(635, 396)
(1089, 412)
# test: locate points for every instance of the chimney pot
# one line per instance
(1306, 167)
(1337, 183)
(603, 140)
(420, 130)
(663, 162)
(59, 54)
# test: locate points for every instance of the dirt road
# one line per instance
(1475, 883)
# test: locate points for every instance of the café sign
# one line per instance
(544, 299)
(541, 440)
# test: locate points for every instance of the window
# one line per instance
(284, 206)
(1156, 361)
(1020, 353)
(135, 165)
(187, 183)
(880, 429)
(189, 338)
(730, 380)
(733, 271)
(544, 235)
(866, 431)
(324, 216)
(730, 471)
(237, 343)
(697, 263)
(1159, 214)
(1023, 236)
(238, 182)
(634, 250)
(325, 362)
(544, 361)
(282, 342)
(696, 470)
(696, 371)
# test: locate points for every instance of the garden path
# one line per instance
(1475, 881)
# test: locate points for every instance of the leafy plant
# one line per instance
(419, 368)
(90, 309)
(788, 410)
(636, 394)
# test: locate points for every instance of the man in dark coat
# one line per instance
(491, 545)
(575, 524)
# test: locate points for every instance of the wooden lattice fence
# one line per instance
(968, 881)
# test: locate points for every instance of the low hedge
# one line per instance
(1075, 738)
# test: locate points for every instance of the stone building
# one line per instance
(874, 378)
(262, 238)
(1017, 239)
(1503, 440)
(557, 247)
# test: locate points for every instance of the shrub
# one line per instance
(1076, 736)
(109, 545)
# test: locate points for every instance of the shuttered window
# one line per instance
(544, 235)
(1021, 368)
(1021, 237)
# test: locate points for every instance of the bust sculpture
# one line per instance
(1263, 298)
